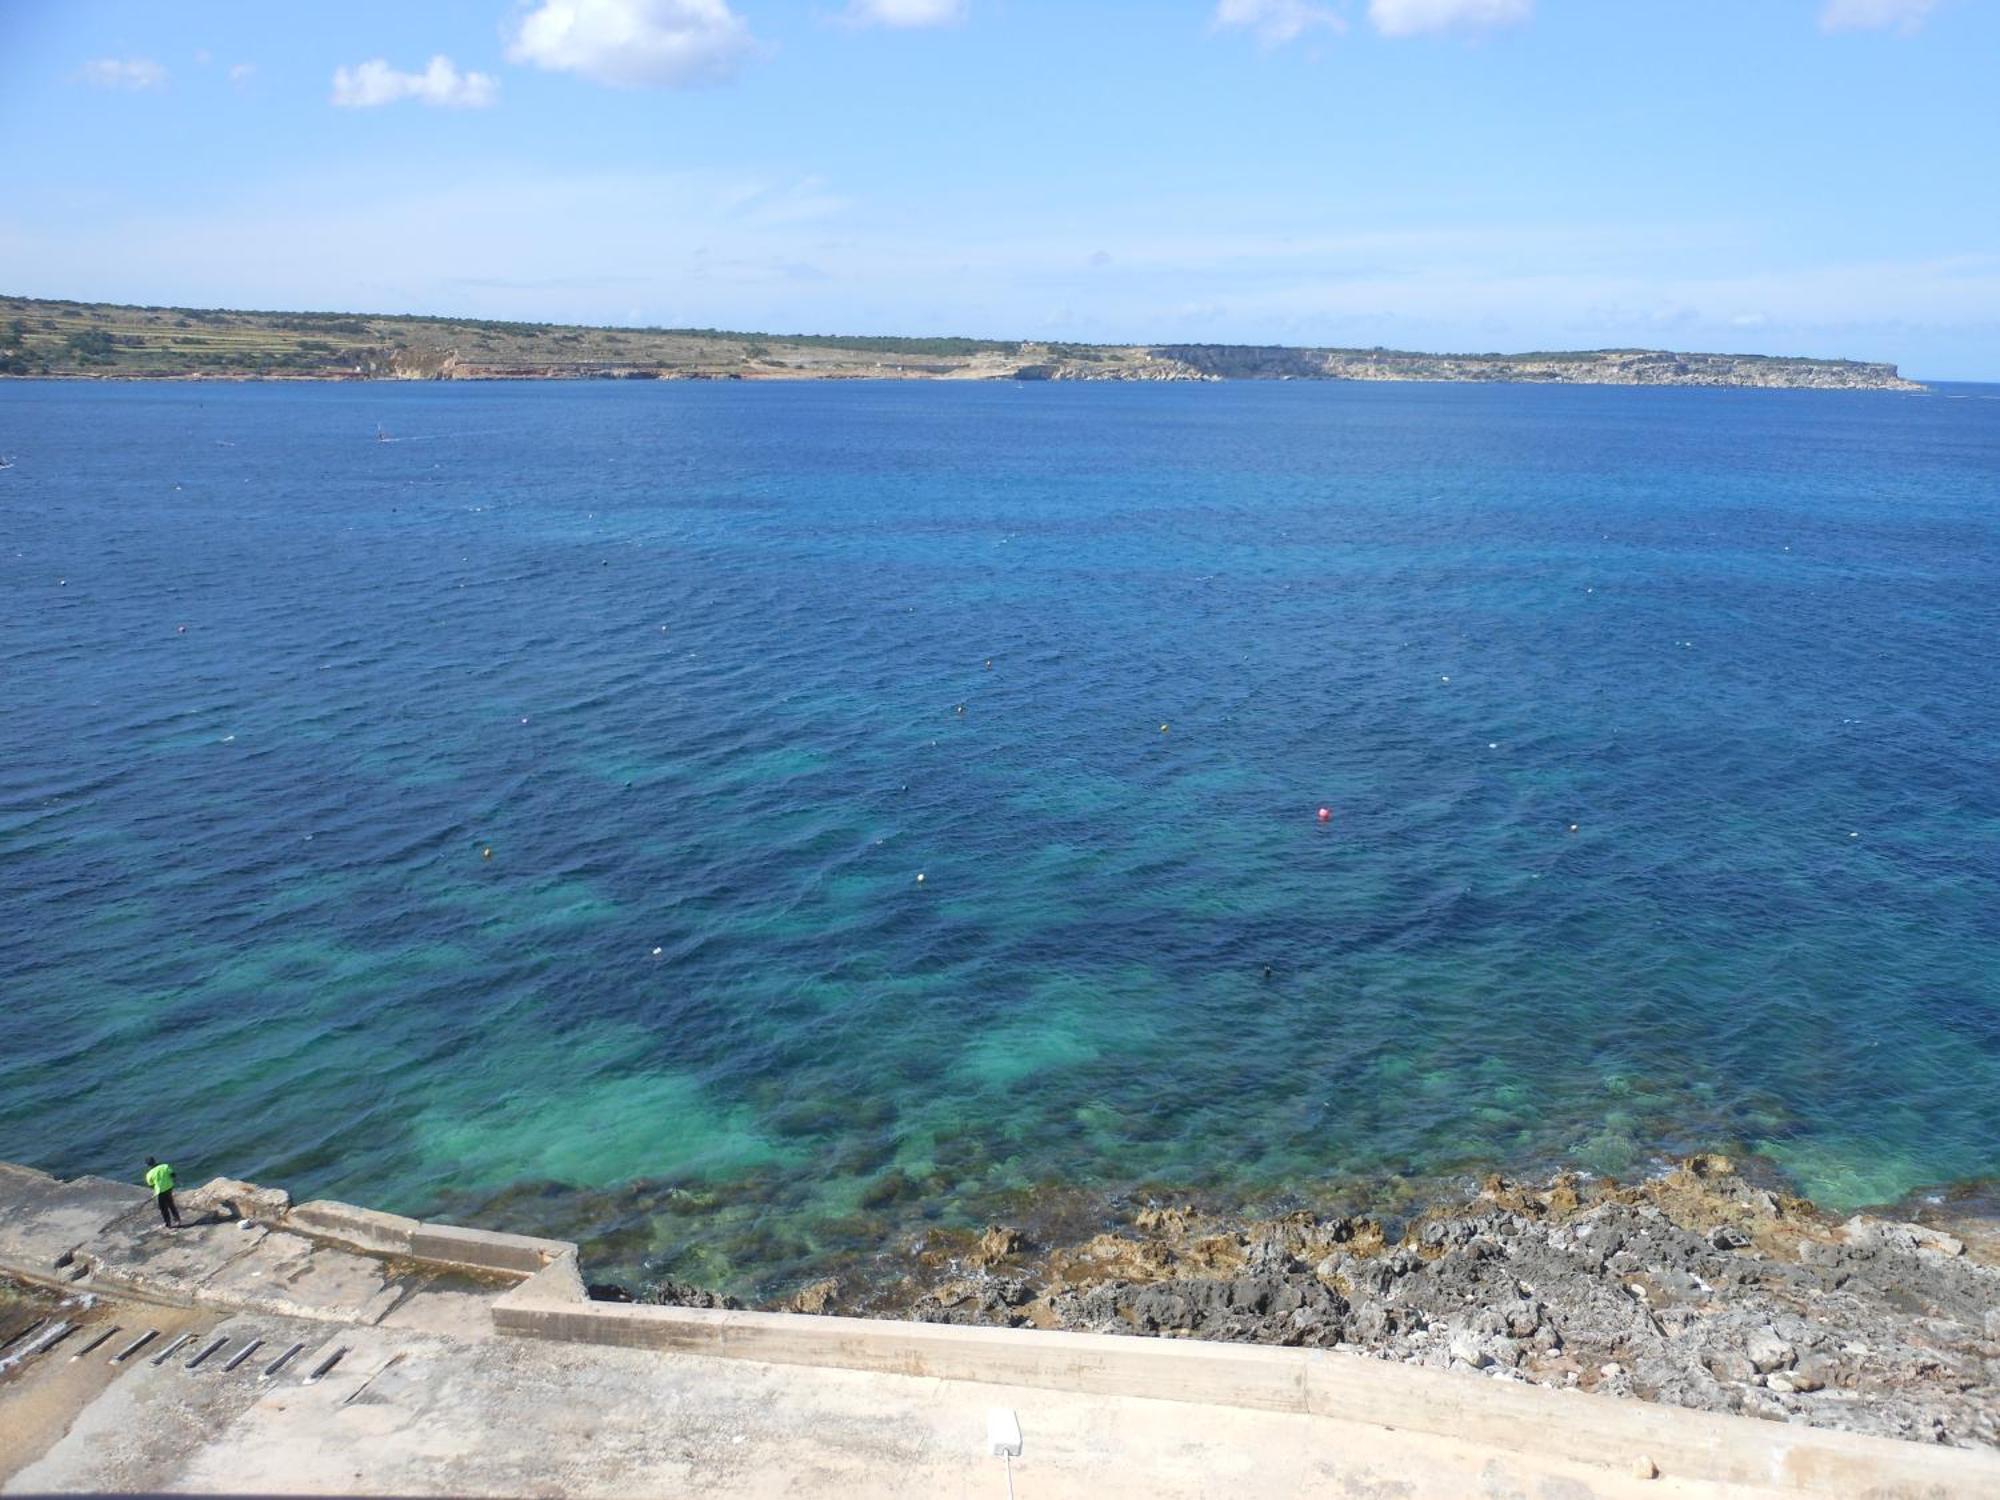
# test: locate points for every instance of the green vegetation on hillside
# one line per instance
(77, 338)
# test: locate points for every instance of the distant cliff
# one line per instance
(107, 341)
(1577, 367)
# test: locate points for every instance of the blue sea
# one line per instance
(742, 825)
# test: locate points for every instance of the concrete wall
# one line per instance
(392, 1234)
(1470, 1408)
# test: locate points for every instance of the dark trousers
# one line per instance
(169, 1215)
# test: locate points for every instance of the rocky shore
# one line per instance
(1699, 1288)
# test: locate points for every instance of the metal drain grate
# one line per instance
(99, 1342)
(135, 1346)
(204, 1351)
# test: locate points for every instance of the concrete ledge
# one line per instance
(558, 1284)
(1591, 1429)
(487, 1250)
(392, 1234)
(361, 1228)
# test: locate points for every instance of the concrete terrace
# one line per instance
(326, 1348)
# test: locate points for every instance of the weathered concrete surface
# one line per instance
(43, 1219)
(447, 1244)
(363, 1228)
(140, 1257)
(237, 1252)
(289, 1276)
(41, 1395)
(1518, 1420)
(412, 1414)
(485, 1249)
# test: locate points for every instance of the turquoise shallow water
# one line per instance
(689, 660)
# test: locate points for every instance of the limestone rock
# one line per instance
(1865, 1232)
(814, 1297)
(1466, 1348)
(1767, 1352)
(997, 1244)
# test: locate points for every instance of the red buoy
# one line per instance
(1325, 815)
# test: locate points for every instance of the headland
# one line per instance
(88, 340)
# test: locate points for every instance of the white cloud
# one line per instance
(1275, 22)
(375, 83)
(242, 72)
(635, 43)
(1417, 17)
(1874, 15)
(906, 13)
(124, 73)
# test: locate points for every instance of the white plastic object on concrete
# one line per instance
(1003, 1432)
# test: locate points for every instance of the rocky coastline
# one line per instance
(47, 339)
(1700, 1288)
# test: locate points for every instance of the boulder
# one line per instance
(1866, 1232)
(1767, 1352)
(231, 1198)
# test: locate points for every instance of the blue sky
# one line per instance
(1791, 176)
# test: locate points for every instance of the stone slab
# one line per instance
(140, 1258)
(444, 1310)
(486, 1249)
(288, 1275)
(44, 1219)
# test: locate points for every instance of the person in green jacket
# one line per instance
(160, 1178)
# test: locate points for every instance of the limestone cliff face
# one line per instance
(412, 363)
(1583, 367)
(1147, 365)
